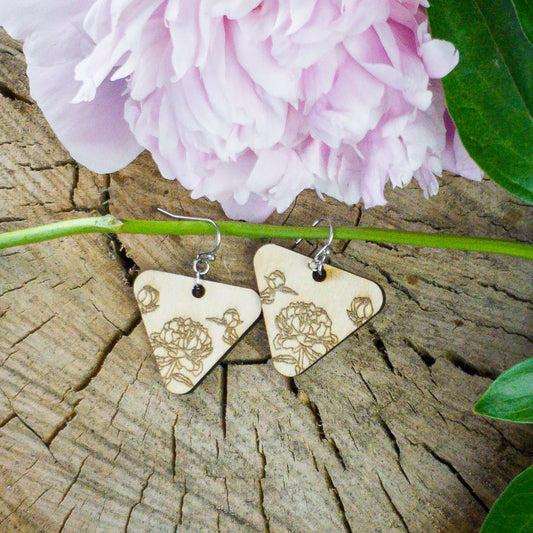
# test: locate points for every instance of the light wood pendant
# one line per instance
(190, 335)
(305, 319)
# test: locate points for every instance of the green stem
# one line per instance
(110, 224)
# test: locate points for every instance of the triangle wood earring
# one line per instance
(192, 323)
(308, 313)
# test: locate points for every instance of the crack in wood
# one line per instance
(394, 283)
(394, 441)
(488, 326)
(126, 263)
(32, 331)
(223, 397)
(139, 501)
(393, 505)
(76, 287)
(13, 511)
(228, 507)
(26, 511)
(20, 143)
(248, 362)
(105, 195)
(65, 520)
(242, 521)
(261, 496)
(492, 424)
(315, 462)
(9, 93)
(73, 480)
(5, 253)
(60, 427)
(424, 355)
(5, 220)
(25, 473)
(104, 316)
(457, 474)
(105, 351)
(386, 246)
(126, 388)
(27, 426)
(53, 166)
(382, 349)
(119, 451)
(181, 502)
(468, 368)
(18, 287)
(74, 185)
(291, 209)
(427, 222)
(507, 293)
(338, 501)
(356, 222)
(304, 398)
(509, 231)
(291, 386)
(437, 285)
(336, 451)
(365, 383)
(7, 419)
(173, 449)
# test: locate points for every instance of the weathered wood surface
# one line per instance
(378, 436)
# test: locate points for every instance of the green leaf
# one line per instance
(513, 510)
(510, 397)
(524, 10)
(490, 93)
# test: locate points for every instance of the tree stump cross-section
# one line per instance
(377, 436)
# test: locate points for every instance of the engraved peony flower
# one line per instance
(361, 309)
(230, 320)
(180, 349)
(247, 102)
(148, 299)
(275, 283)
(304, 333)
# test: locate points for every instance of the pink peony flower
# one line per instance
(247, 102)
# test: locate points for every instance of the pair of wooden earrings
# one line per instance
(193, 323)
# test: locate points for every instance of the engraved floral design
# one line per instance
(275, 283)
(304, 333)
(230, 320)
(148, 299)
(180, 349)
(361, 309)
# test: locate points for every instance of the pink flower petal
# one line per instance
(247, 102)
(95, 133)
(440, 57)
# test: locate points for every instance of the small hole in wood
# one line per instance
(198, 290)
(319, 275)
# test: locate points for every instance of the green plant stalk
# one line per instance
(110, 224)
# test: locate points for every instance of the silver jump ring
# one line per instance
(201, 266)
(317, 263)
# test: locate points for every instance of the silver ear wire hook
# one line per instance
(317, 263)
(201, 264)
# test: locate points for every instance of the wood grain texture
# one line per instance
(378, 436)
